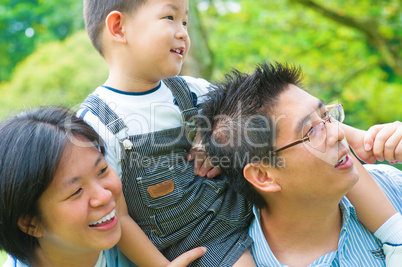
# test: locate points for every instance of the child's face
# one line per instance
(84, 191)
(158, 39)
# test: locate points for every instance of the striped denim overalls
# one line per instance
(176, 209)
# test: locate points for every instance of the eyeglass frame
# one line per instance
(307, 138)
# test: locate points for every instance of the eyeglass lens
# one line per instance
(318, 133)
(337, 112)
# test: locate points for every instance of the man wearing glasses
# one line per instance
(285, 151)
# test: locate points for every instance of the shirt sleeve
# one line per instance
(390, 180)
(198, 86)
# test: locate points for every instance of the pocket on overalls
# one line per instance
(162, 187)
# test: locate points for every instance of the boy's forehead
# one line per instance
(172, 3)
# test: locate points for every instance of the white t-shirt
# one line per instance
(145, 112)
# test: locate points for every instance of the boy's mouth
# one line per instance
(179, 51)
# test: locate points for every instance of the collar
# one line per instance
(261, 246)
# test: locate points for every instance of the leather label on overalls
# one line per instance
(162, 189)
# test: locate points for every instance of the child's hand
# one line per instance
(202, 165)
(355, 138)
(385, 141)
(187, 257)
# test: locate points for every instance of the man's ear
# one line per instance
(30, 225)
(114, 26)
(262, 177)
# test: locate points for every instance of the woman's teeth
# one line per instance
(104, 219)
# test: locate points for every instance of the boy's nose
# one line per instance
(182, 33)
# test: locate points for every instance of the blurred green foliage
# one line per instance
(27, 24)
(342, 63)
(61, 72)
(46, 57)
(3, 257)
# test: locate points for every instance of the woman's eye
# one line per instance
(103, 170)
(77, 192)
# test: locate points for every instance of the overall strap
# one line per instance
(105, 114)
(179, 88)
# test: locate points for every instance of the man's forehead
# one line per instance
(295, 101)
(295, 108)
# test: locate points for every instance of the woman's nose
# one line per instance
(100, 196)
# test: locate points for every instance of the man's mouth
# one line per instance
(341, 161)
(104, 220)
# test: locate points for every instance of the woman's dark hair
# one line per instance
(31, 146)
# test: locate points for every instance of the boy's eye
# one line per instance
(185, 23)
(169, 17)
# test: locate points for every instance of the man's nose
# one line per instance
(334, 132)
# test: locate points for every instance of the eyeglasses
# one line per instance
(317, 134)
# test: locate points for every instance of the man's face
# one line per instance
(311, 173)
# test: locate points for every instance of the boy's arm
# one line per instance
(383, 141)
(355, 138)
(135, 244)
(372, 206)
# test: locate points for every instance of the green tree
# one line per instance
(25, 24)
(378, 21)
(342, 62)
(199, 61)
(60, 72)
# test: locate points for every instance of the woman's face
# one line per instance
(78, 208)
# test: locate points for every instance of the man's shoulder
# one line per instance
(389, 179)
(384, 172)
(380, 167)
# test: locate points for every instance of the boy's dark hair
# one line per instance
(236, 124)
(31, 146)
(96, 12)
